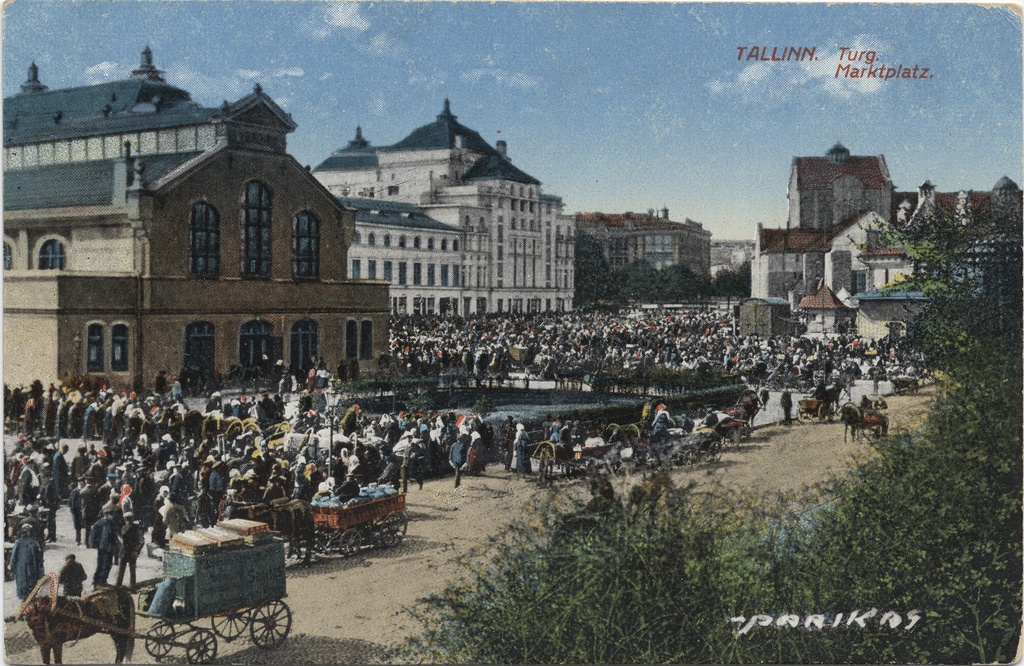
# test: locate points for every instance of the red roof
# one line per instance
(825, 299)
(817, 173)
(780, 241)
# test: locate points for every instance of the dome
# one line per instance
(1005, 183)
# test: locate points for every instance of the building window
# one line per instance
(51, 256)
(455, 275)
(7, 256)
(366, 339)
(512, 223)
(430, 275)
(205, 240)
(197, 350)
(359, 238)
(371, 269)
(305, 345)
(387, 271)
(257, 229)
(416, 243)
(455, 246)
(94, 348)
(401, 241)
(444, 244)
(403, 273)
(371, 240)
(501, 232)
(306, 246)
(430, 243)
(387, 240)
(356, 269)
(351, 343)
(417, 274)
(255, 340)
(119, 347)
(392, 190)
(444, 275)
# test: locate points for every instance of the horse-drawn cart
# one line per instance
(815, 409)
(237, 583)
(345, 530)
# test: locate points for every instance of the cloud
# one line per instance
(503, 77)
(340, 16)
(289, 71)
(101, 71)
(249, 73)
(762, 80)
(382, 45)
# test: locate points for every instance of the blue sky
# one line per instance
(613, 106)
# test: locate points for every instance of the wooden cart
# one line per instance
(237, 588)
(345, 530)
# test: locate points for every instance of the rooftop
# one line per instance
(393, 214)
(824, 299)
(817, 173)
(633, 221)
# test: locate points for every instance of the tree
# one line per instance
(593, 277)
(733, 282)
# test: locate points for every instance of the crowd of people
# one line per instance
(150, 466)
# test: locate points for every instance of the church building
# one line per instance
(144, 232)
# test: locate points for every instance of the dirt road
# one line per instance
(350, 610)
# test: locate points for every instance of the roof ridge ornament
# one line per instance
(146, 69)
(32, 84)
(446, 113)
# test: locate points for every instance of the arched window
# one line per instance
(7, 256)
(204, 242)
(416, 242)
(359, 238)
(119, 347)
(444, 244)
(455, 246)
(257, 229)
(255, 340)
(197, 350)
(401, 241)
(351, 338)
(94, 348)
(366, 339)
(305, 345)
(430, 243)
(371, 240)
(51, 255)
(387, 240)
(306, 246)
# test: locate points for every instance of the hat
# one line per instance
(520, 426)
(167, 438)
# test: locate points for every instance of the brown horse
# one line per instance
(56, 620)
(293, 518)
(857, 422)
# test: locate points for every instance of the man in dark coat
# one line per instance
(131, 546)
(72, 576)
(786, 402)
(103, 537)
(59, 471)
(26, 562)
(75, 500)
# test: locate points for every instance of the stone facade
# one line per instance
(187, 260)
(630, 237)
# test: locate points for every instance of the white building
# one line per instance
(516, 246)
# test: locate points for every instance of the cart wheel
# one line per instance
(349, 542)
(201, 647)
(714, 453)
(158, 640)
(327, 542)
(802, 416)
(231, 626)
(270, 623)
(393, 528)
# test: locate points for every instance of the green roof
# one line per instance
(496, 167)
(78, 183)
(442, 133)
(393, 214)
(106, 108)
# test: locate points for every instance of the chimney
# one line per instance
(502, 149)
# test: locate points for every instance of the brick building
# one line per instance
(651, 237)
(144, 232)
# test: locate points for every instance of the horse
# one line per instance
(56, 620)
(856, 421)
(292, 517)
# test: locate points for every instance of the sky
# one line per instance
(613, 106)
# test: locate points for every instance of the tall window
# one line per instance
(455, 275)
(366, 339)
(94, 348)
(371, 240)
(403, 272)
(51, 255)
(417, 274)
(444, 275)
(119, 347)
(430, 243)
(416, 242)
(455, 246)
(305, 344)
(306, 246)
(356, 269)
(351, 341)
(7, 257)
(387, 240)
(257, 229)
(371, 269)
(204, 242)
(430, 275)
(401, 241)
(197, 350)
(387, 271)
(255, 340)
